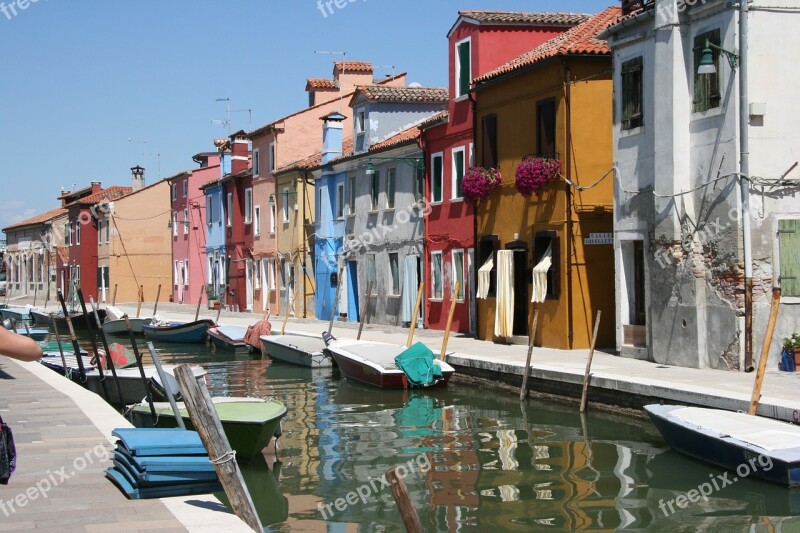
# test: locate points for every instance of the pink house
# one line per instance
(187, 224)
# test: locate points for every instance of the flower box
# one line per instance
(479, 182)
(534, 173)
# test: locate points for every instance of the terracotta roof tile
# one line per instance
(579, 40)
(38, 219)
(321, 83)
(439, 118)
(110, 193)
(406, 136)
(316, 159)
(353, 66)
(520, 17)
(382, 93)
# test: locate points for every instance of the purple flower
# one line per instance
(534, 173)
(478, 182)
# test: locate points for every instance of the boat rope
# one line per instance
(225, 458)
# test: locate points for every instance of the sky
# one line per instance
(90, 88)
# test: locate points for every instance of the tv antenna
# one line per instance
(144, 149)
(344, 59)
(227, 121)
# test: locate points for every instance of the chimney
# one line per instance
(224, 152)
(240, 152)
(332, 136)
(137, 178)
(96, 187)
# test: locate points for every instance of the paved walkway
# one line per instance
(63, 439)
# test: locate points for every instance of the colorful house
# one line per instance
(188, 228)
(549, 108)
(217, 262)
(478, 42)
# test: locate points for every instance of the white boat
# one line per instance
(120, 327)
(303, 350)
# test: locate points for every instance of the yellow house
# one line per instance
(553, 103)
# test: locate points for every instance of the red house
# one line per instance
(81, 268)
(479, 41)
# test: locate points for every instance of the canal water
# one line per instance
(473, 460)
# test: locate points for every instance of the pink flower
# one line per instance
(534, 173)
(478, 182)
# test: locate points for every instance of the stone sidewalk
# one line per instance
(63, 440)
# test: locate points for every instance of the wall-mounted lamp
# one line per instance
(370, 169)
(707, 63)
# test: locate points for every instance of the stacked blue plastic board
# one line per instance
(159, 463)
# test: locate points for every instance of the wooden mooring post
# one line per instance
(158, 297)
(403, 500)
(364, 310)
(589, 363)
(762, 361)
(199, 302)
(288, 310)
(336, 300)
(523, 390)
(453, 301)
(413, 326)
(141, 299)
(204, 418)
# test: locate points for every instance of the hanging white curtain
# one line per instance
(410, 288)
(485, 278)
(504, 311)
(540, 276)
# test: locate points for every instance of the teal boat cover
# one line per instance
(417, 364)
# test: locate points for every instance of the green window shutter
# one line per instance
(789, 239)
(459, 173)
(465, 68)
(437, 179)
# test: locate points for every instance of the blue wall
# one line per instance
(215, 233)
(328, 243)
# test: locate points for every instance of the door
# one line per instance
(520, 287)
(249, 279)
(352, 291)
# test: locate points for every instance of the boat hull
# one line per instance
(78, 320)
(297, 350)
(247, 437)
(119, 327)
(130, 382)
(724, 450)
(370, 371)
(191, 332)
(17, 313)
(225, 343)
(36, 334)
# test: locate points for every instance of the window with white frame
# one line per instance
(272, 157)
(248, 206)
(286, 204)
(269, 271)
(67, 234)
(463, 67)
(176, 273)
(174, 191)
(390, 187)
(186, 272)
(458, 273)
(272, 218)
(174, 224)
(394, 269)
(374, 189)
(340, 200)
(108, 230)
(437, 171)
(632, 91)
(229, 214)
(209, 210)
(457, 172)
(186, 187)
(436, 276)
(257, 220)
(257, 277)
(351, 195)
(186, 221)
(256, 162)
(78, 233)
(360, 121)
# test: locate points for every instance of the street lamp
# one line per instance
(707, 63)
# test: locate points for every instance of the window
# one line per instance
(458, 172)
(78, 233)
(789, 242)
(458, 273)
(186, 272)
(269, 273)
(209, 210)
(436, 275)
(706, 86)
(272, 157)
(339, 200)
(632, 94)
(541, 242)
(248, 206)
(256, 162)
(286, 205)
(272, 218)
(488, 245)
(489, 139)
(394, 267)
(390, 188)
(67, 234)
(374, 187)
(174, 191)
(463, 68)
(108, 230)
(229, 214)
(436, 177)
(257, 276)
(185, 188)
(360, 127)
(546, 128)
(176, 273)
(371, 277)
(419, 182)
(351, 195)
(361, 121)
(257, 221)
(174, 224)
(186, 221)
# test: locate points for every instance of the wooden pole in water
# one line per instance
(289, 310)
(163, 376)
(364, 310)
(35, 293)
(148, 394)
(141, 299)
(199, 302)
(762, 361)
(336, 300)
(453, 301)
(523, 390)
(403, 500)
(93, 341)
(413, 326)
(72, 337)
(158, 296)
(589, 363)
(204, 418)
(111, 363)
(114, 298)
(58, 340)
(219, 311)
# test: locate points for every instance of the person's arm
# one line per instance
(18, 346)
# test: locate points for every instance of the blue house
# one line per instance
(215, 230)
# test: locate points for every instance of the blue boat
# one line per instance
(17, 313)
(36, 334)
(183, 332)
(744, 444)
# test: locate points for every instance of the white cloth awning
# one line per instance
(485, 278)
(504, 309)
(540, 276)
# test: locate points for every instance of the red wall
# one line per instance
(84, 254)
(239, 242)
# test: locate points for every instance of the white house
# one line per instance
(681, 240)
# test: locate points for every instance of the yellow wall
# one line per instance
(140, 251)
(507, 212)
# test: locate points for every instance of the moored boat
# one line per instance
(300, 350)
(184, 332)
(374, 363)
(230, 339)
(17, 313)
(120, 327)
(38, 335)
(45, 318)
(249, 423)
(766, 448)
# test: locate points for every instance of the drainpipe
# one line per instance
(744, 185)
(568, 169)
(474, 301)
